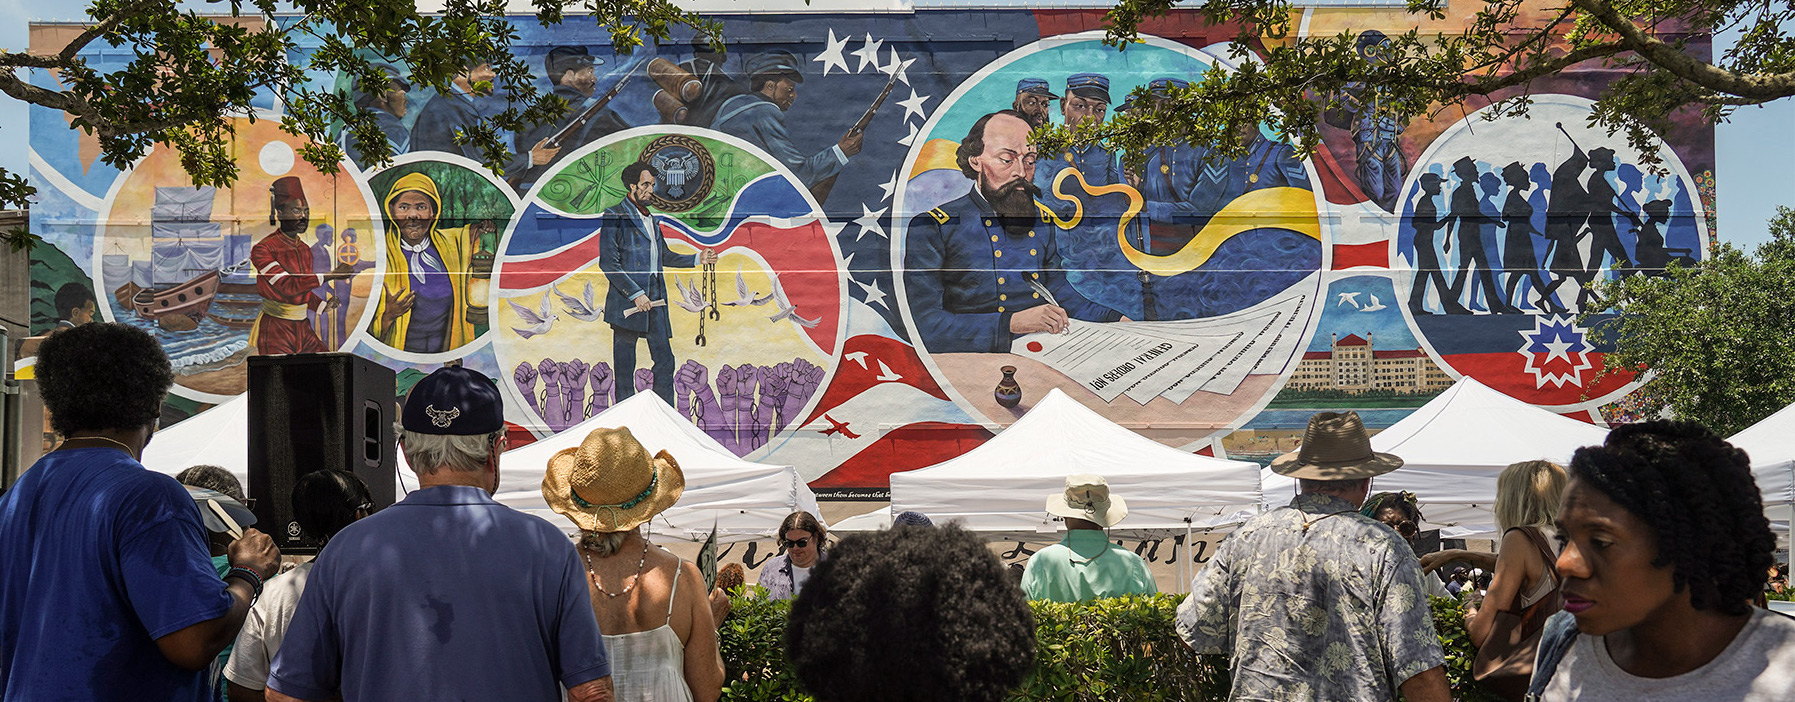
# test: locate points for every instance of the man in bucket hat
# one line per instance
(447, 594)
(1085, 565)
(1315, 601)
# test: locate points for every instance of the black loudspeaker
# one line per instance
(316, 411)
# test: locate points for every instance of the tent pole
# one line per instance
(1184, 561)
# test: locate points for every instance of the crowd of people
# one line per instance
(1629, 575)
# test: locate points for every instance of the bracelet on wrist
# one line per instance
(250, 576)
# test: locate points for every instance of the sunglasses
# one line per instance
(800, 543)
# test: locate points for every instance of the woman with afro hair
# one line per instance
(1663, 546)
(911, 613)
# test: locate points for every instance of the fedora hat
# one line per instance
(1335, 447)
(609, 482)
(1087, 497)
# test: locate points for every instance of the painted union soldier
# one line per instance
(1087, 99)
(1032, 99)
(969, 264)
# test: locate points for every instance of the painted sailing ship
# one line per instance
(188, 251)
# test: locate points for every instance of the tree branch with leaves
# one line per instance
(191, 75)
(1288, 83)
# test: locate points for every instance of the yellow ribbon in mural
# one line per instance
(1271, 208)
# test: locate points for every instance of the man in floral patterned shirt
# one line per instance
(1315, 601)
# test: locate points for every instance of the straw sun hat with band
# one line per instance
(609, 482)
(1335, 447)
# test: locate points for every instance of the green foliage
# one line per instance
(1123, 648)
(1719, 339)
(192, 75)
(1449, 623)
(1493, 50)
(50, 270)
(1115, 649)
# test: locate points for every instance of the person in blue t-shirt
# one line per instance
(107, 590)
(446, 594)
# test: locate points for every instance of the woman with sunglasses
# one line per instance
(1664, 543)
(801, 540)
(1400, 511)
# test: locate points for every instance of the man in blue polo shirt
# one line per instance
(447, 594)
(107, 590)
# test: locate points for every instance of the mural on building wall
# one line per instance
(842, 253)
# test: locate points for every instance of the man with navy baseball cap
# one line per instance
(403, 600)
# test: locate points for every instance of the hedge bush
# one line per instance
(1115, 649)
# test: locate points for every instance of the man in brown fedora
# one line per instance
(446, 594)
(1315, 601)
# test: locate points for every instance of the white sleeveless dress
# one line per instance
(650, 666)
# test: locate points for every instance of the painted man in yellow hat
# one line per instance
(423, 302)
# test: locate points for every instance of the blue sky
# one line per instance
(1755, 150)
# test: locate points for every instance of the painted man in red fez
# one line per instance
(285, 279)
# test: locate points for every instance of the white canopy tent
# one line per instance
(218, 436)
(1003, 485)
(744, 500)
(1771, 444)
(1455, 446)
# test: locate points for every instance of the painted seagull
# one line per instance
(690, 299)
(542, 320)
(1347, 297)
(786, 309)
(583, 309)
(744, 296)
(1375, 304)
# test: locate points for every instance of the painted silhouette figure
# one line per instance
(1518, 259)
(1649, 247)
(1604, 203)
(1427, 223)
(1566, 214)
(1470, 221)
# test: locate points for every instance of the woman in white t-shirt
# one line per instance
(1664, 546)
(324, 502)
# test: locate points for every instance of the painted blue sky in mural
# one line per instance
(1364, 304)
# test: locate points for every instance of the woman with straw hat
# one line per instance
(652, 605)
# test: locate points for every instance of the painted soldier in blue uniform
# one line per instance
(1169, 185)
(1032, 100)
(633, 254)
(758, 117)
(1376, 131)
(969, 264)
(1087, 100)
(570, 70)
(389, 107)
(445, 114)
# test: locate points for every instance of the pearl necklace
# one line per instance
(635, 579)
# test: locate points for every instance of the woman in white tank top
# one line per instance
(651, 606)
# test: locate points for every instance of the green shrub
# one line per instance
(1115, 649)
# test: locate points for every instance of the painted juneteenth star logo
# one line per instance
(1556, 351)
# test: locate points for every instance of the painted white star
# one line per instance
(868, 53)
(832, 57)
(912, 137)
(869, 221)
(898, 67)
(888, 187)
(1558, 349)
(874, 295)
(847, 261)
(913, 106)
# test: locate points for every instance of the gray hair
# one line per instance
(1334, 487)
(605, 543)
(428, 453)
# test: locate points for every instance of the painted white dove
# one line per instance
(1375, 304)
(542, 320)
(583, 309)
(690, 299)
(786, 309)
(744, 296)
(1346, 298)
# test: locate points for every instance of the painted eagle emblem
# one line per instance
(441, 418)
